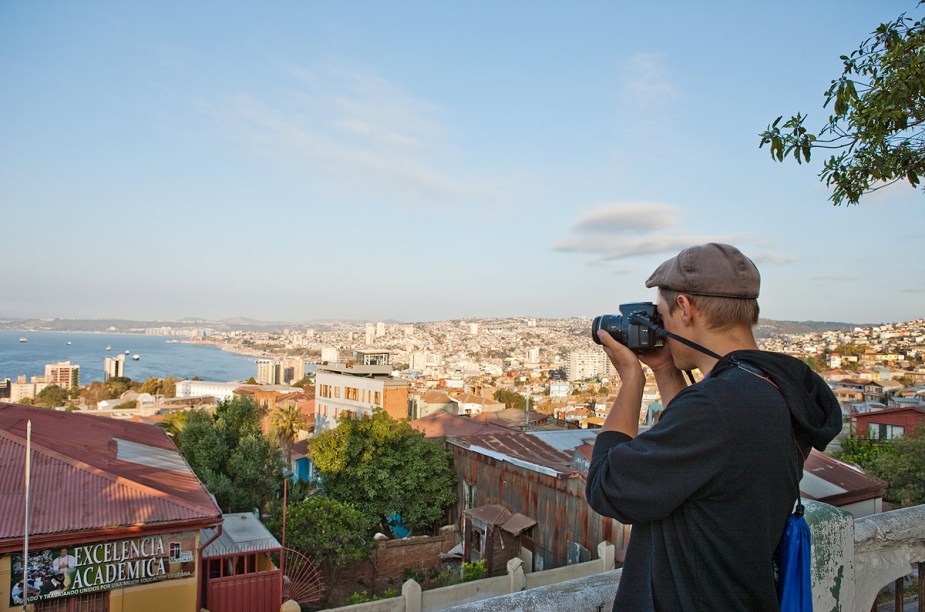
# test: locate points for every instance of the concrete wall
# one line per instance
(852, 561)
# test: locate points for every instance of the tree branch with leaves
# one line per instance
(877, 127)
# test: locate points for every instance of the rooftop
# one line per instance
(90, 473)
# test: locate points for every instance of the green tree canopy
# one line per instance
(331, 532)
(51, 396)
(510, 399)
(902, 467)
(166, 387)
(234, 460)
(382, 466)
(876, 128)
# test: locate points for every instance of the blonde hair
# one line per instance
(721, 313)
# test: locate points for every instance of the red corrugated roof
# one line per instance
(80, 483)
(445, 424)
(855, 484)
(518, 445)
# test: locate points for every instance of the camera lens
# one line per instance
(612, 324)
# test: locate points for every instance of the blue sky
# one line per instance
(427, 160)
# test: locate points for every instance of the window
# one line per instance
(475, 540)
(377, 398)
(351, 393)
(883, 431)
(91, 602)
(468, 495)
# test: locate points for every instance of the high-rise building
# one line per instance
(533, 355)
(418, 361)
(293, 370)
(589, 363)
(113, 367)
(64, 374)
(370, 334)
(329, 354)
(380, 329)
(269, 372)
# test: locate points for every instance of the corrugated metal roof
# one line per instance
(241, 533)
(519, 448)
(82, 480)
(837, 483)
(445, 424)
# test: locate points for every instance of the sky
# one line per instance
(420, 161)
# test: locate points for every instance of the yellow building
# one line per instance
(115, 516)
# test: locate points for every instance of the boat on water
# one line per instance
(126, 352)
(108, 348)
(23, 339)
(136, 357)
(68, 342)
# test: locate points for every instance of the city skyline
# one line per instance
(421, 162)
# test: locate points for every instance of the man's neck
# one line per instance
(723, 343)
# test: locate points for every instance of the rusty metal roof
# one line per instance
(90, 473)
(837, 483)
(496, 514)
(521, 449)
(445, 424)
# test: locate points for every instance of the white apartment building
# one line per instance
(221, 391)
(21, 389)
(356, 387)
(329, 354)
(113, 367)
(589, 363)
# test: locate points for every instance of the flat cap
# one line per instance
(717, 270)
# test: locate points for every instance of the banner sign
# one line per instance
(88, 568)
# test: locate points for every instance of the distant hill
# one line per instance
(768, 328)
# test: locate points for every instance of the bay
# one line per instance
(158, 356)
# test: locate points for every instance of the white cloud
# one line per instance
(626, 217)
(618, 231)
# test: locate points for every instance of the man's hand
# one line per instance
(624, 360)
(624, 414)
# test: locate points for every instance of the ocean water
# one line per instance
(157, 357)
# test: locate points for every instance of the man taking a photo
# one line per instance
(708, 488)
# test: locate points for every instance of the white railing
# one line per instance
(853, 559)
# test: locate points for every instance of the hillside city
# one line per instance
(549, 360)
(510, 408)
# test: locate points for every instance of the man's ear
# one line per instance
(687, 309)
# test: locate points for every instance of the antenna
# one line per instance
(25, 551)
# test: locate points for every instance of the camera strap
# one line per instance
(661, 331)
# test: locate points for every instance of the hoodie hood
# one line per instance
(814, 411)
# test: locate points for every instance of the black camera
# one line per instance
(626, 328)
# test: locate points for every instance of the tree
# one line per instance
(382, 466)
(51, 396)
(166, 387)
(332, 533)
(230, 455)
(286, 422)
(877, 128)
(510, 399)
(902, 467)
(173, 423)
